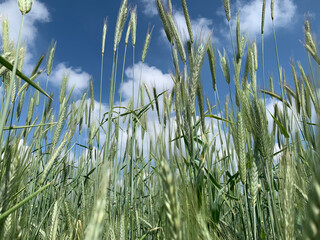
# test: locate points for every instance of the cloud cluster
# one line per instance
(251, 14)
(150, 8)
(78, 78)
(201, 27)
(38, 14)
(149, 75)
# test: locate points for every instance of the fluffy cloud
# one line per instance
(77, 77)
(202, 28)
(151, 76)
(150, 8)
(251, 13)
(38, 14)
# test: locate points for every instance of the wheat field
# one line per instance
(169, 164)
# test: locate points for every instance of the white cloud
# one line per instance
(150, 8)
(251, 14)
(151, 75)
(38, 14)
(77, 77)
(202, 28)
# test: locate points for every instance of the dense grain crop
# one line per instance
(166, 165)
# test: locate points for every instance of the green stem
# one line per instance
(12, 79)
(263, 77)
(6, 213)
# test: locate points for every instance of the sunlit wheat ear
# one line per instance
(170, 7)
(175, 60)
(272, 9)
(297, 86)
(25, 6)
(148, 93)
(54, 221)
(238, 35)
(307, 26)
(5, 35)
(226, 4)
(7, 233)
(63, 88)
(54, 155)
(59, 126)
(289, 195)
(164, 19)
(177, 38)
(311, 224)
(253, 76)
(104, 34)
(255, 55)
(212, 62)
(196, 75)
(122, 16)
(225, 66)
(133, 24)
(157, 103)
(20, 104)
(200, 104)
(263, 16)
(237, 66)
(91, 94)
(310, 42)
(271, 84)
(171, 203)
(37, 96)
(241, 133)
(146, 45)
(128, 34)
(30, 111)
(50, 57)
(226, 108)
(254, 183)
(187, 18)
(68, 217)
(308, 85)
(95, 226)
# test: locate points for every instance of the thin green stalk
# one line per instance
(21, 203)
(12, 79)
(132, 153)
(101, 77)
(233, 49)
(263, 75)
(278, 62)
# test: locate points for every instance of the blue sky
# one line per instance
(77, 27)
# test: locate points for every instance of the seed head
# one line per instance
(163, 17)
(122, 16)
(5, 35)
(133, 24)
(50, 57)
(272, 9)
(212, 63)
(104, 33)
(225, 66)
(226, 4)
(146, 45)
(25, 6)
(242, 148)
(263, 15)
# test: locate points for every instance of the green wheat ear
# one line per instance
(226, 4)
(25, 6)
(241, 149)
